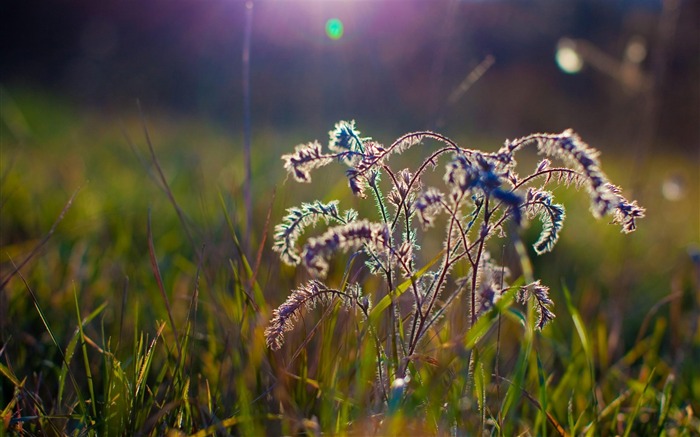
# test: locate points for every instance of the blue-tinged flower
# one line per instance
(346, 138)
(512, 200)
(428, 204)
(626, 214)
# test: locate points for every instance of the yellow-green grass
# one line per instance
(92, 343)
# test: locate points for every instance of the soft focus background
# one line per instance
(624, 74)
(477, 71)
(395, 67)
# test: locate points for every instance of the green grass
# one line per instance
(133, 320)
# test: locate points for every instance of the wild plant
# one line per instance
(483, 197)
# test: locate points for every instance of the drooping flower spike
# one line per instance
(481, 192)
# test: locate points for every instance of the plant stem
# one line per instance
(247, 36)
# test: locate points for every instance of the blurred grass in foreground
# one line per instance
(92, 344)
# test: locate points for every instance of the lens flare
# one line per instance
(334, 28)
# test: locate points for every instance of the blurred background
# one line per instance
(86, 85)
(392, 65)
(624, 74)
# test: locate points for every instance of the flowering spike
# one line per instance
(486, 183)
(298, 219)
(539, 202)
(305, 158)
(307, 297)
(428, 205)
(346, 138)
(541, 295)
(354, 235)
(626, 214)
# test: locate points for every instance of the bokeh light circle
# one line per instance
(334, 28)
(567, 57)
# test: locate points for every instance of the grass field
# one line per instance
(136, 304)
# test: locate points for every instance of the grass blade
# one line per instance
(257, 300)
(35, 250)
(70, 349)
(86, 360)
(385, 302)
(585, 343)
(630, 420)
(159, 282)
(45, 322)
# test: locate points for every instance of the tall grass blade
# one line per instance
(142, 366)
(257, 299)
(261, 247)
(542, 382)
(247, 125)
(35, 250)
(122, 311)
(583, 337)
(635, 413)
(45, 322)
(665, 401)
(515, 388)
(163, 181)
(70, 349)
(86, 359)
(159, 283)
(386, 301)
